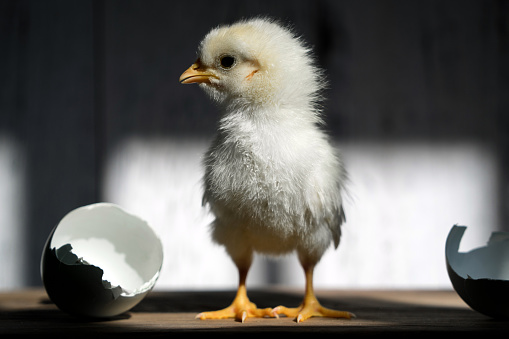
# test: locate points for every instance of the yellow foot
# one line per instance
(310, 309)
(238, 310)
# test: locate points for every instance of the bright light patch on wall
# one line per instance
(12, 190)
(403, 201)
(159, 180)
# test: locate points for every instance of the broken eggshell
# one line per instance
(480, 276)
(100, 261)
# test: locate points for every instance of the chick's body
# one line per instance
(271, 179)
(273, 186)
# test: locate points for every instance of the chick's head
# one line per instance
(256, 62)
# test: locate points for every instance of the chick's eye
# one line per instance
(227, 61)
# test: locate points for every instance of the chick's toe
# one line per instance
(240, 310)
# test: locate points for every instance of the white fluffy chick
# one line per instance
(272, 179)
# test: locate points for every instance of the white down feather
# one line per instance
(271, 178)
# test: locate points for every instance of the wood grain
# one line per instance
(30, 312)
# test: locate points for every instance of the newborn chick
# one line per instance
(272, 179)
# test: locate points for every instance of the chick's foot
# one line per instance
(240, 309)
(310, 308)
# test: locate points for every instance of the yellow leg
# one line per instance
(310, 307)
(241, 308)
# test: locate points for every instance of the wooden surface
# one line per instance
(30, 312)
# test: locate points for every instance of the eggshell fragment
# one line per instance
(100, 261)
(480, 276)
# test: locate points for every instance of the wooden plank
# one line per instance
(395, 312)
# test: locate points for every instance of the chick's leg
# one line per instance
(310, 306)
(241, 308)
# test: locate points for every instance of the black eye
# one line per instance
(227, 61)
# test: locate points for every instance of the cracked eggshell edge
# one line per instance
(78, 289)
(485, 295)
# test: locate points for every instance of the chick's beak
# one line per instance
(195, 74)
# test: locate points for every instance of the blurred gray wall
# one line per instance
(78, 77)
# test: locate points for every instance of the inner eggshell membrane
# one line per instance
(121, 244)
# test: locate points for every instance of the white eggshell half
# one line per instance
(480, 276)
(100, 261)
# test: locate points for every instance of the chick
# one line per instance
(272, 180)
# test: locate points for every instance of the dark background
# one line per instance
(77, 77)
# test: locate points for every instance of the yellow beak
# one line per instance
(195, 74)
